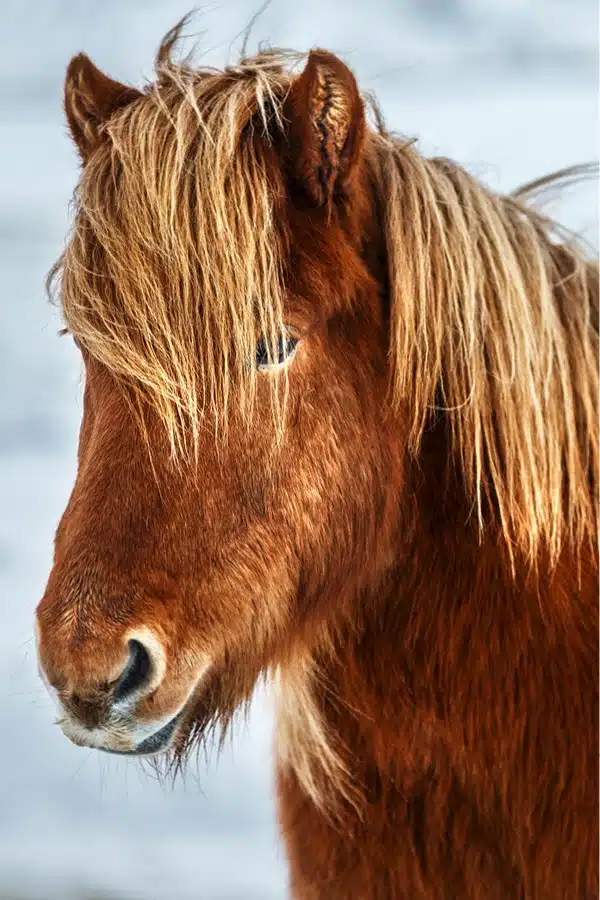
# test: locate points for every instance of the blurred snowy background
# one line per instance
(508, 87)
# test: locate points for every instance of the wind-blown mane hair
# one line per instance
(177, 262)
(493, 327)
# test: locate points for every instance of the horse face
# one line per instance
(161, 571)
(176, 582)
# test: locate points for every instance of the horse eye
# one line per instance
(286, 347)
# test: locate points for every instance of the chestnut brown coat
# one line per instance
(391, 508)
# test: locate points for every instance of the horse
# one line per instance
(339, 431)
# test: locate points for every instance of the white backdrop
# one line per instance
(506, 87)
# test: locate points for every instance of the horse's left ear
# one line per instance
(326, 127)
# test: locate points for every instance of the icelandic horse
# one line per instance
(339, 429)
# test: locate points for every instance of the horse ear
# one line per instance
(91, 97)
(326, 127)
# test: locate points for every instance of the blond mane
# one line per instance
(492, 326)
(175, 266)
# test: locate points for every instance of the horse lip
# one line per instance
(158, 741)
(154, 744)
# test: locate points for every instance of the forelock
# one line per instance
(174, 266)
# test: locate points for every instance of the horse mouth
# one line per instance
(122, 735)
(154, 744)
(163, 739)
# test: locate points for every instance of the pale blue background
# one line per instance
(507, 87)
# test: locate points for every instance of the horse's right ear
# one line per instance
(91, 97)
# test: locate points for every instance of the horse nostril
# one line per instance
(137, 671)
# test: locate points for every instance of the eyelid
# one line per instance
(293, 332)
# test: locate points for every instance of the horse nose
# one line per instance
(92, 679)
(137, 674)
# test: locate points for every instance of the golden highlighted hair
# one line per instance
(174, 268)
(492, 326)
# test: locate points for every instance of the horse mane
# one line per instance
(490, 317)
(492, 327)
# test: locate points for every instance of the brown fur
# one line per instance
(400, 525)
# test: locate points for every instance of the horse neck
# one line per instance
(414, 677)
(444, 650)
